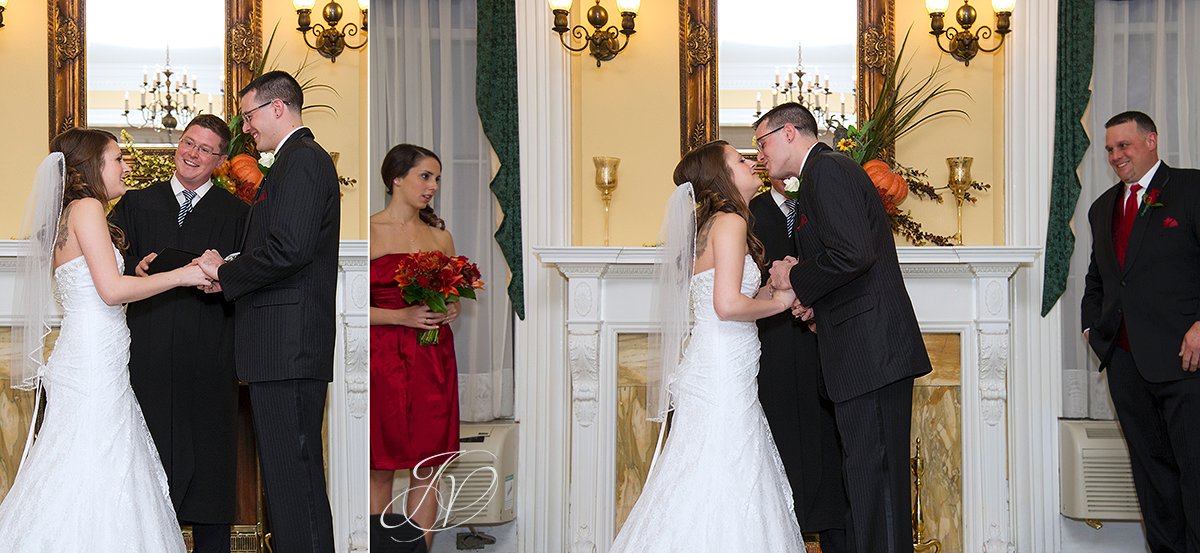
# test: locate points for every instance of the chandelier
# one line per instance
(165, 103)
(811, 93)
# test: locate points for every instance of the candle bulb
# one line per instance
(843, 104)
(143, 97)
(758, 102)
(210, 110)
(777, 76)
(145, 75)
(194, 87)
(127, 102)
(826, 83)
(774, 97)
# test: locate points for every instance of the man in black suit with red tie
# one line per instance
(848, 280)
(1140, 315)
(801, 420)
(284, 282)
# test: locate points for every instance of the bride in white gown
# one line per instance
(718, 485)
(92, 481)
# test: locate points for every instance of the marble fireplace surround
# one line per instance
(964, 290)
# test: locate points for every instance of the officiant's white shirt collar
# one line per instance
(285, 139)
(177, 189)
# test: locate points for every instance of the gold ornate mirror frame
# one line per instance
(66, 32)
(698, 63)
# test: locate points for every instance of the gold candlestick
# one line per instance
(918, 514)
(959, 183)
(606, 183)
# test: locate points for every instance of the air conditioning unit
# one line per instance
(1097, 482)
(479, 487)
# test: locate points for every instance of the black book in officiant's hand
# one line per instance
(170, 259)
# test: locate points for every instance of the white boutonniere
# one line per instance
(791, 187)
(266, 159)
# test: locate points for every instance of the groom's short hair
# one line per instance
(276, 85)
(790, 112)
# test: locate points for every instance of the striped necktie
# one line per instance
(188, 197)
(790, 204)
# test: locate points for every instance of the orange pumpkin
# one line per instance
(886, 180)
(244, 169)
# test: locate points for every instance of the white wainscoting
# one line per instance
(966, 290)
(346, 408)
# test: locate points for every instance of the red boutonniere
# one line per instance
(1151, 200)
(1169, 222)
(803, 221)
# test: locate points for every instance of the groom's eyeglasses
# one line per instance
(758, 140)
(246, 114)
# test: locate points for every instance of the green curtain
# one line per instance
(1076, 40)
(496, 98)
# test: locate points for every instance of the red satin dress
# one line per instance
(414, 388)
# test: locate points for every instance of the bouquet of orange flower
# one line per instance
(436, 280)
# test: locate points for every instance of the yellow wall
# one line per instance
(629, 108)
(24, 115)
(24, 112)
(980, 137)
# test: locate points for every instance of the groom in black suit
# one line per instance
(802, 422)
(848, 281)
(1141, 315)
(284, 283)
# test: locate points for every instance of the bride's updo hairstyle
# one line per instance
(83, 150)
(396, 165)
(706, 169)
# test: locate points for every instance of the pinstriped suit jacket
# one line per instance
(849, 274)
(285, 280)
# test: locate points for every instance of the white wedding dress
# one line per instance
(719, 485)
(93, 480)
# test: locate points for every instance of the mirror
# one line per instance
(71, 94)
(846, 46)
(153, 86)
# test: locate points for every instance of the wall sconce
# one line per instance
(330, 40)
(3, 4)
(602, 44)
(964, 44)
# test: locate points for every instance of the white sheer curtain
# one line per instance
(423, 92)
(1145, 60)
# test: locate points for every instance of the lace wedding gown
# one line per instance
(93, 480)
(719, 485)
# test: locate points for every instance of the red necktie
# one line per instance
(1121, 242)
(1121, 245)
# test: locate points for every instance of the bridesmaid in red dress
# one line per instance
(414, 388)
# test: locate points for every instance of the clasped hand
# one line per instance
(781, 280)
(209, 262)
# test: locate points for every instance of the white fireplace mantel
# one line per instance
(965, 290)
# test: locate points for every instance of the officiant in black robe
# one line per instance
(800, 416)
(181, 353)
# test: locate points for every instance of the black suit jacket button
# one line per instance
(1122, 284)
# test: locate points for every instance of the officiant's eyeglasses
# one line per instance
(191, 144)
(757, 141)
